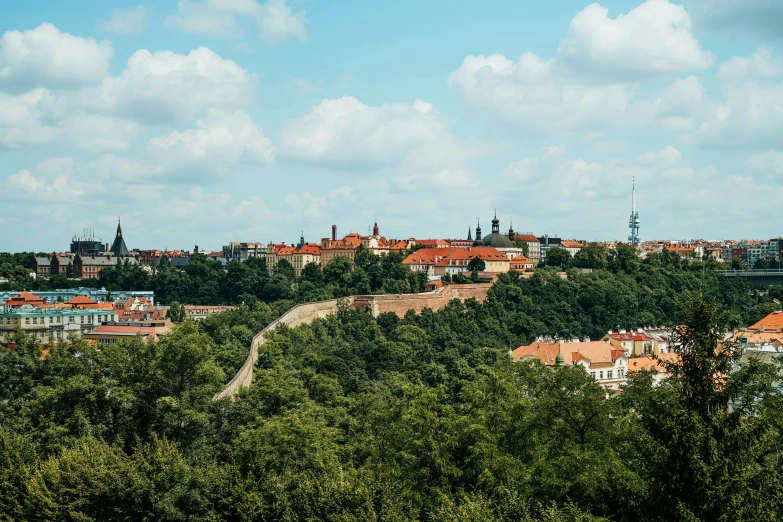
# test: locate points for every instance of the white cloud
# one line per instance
(588, 84)
(128, 21)
(25, 185)
(760, 65)
(652, 39)
(167, 86)
(221, 18)
(220, 143)
(769, 161)
(47, 57)
(346, 132)
(666, 156)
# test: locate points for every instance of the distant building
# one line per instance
(244, 250)
(605, 363)
(62, 296)
(87, 244)
(201, 311)
(502, 243)
(89, 267)
(546, 243)
(50, 322)
(112, 332)
(533, 247)
(118, 247)
(632, 343)
(298, 256)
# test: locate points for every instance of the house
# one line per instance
(46, 321)
(201, 311)
(633, 343)
(112, 332)
(520, 264)
(771, 323)
(656, 366)
(605, 363)
(89, 267)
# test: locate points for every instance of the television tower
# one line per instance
(633, 222)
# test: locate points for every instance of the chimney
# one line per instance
(334, 232)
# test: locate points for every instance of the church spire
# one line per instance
(477, 241)
(119, 227)
(495, 224)
(469, 237)
(511, 229)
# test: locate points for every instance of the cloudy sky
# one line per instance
(206, 121)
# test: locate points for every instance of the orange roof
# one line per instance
(520, 262)
(647, 363)
(572, 244)
(81, 300)
(467, 253)
(596, 352)
(754, 336)
(526, 237)
(425, 256)
(773, 321)
(26, 296)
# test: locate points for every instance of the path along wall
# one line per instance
(378, 304)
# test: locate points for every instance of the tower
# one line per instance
(496, 224)
(477, 241)
(633, 221)
(375, 231)
(511, 229)
(470, 238)
(118, 248)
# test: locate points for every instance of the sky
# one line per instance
(200, 122)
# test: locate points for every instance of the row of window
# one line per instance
(609, 374)
(56, 319)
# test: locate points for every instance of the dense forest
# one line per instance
(416, 418)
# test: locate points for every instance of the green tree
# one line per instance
(176, 312)
(477, 265)
(558, 257)
(591, 255)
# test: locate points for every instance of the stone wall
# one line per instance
(378, 304)
(298, 315)
(399, 304)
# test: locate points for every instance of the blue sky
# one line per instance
(205, 121)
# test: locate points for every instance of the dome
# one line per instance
(497, 240)
(560, 360)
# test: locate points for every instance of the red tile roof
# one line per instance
(773, 322)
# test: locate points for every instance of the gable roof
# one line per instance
(773, 321)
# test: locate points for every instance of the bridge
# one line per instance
(763, 277)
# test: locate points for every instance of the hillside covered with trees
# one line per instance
(414, 418)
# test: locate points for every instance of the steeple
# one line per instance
(477, 241)
(118, 248)
(511, 229)
(301, 240)
(375, 231)
(469, 237)
(495, 224)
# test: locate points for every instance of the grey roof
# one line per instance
(43, 261)
(118, 248)
(106, 260)
(497, 240)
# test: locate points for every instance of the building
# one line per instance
(533, 247)
(118, 247)
(87, 244)
(520, 264)
(42, 267)
(298, 256)
(201, 312)
(498, 241)
(50, 322)
(112, 332)
(546, 243)
(605, 363)
(244, 250)
(632, 343)
(437, 262)
(89, 267)
(572, 246)
(97, 294)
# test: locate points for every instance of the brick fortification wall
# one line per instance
(437, 300)
(378, 304)
(298, 315)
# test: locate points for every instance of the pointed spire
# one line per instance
(469, 236)
(119, 227)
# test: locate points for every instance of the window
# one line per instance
(620, 373)
(601, 375)
(26, 320)
(609, 374)
(35, 320)
(592, 374)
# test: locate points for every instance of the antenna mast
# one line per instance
(633, 221)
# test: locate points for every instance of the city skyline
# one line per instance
(202, 122)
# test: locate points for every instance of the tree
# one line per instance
(69, 270)
(312, 272)
(737, 264)
(176, 312)
(477, 265)
(521, 243)
(760, 264)
(591, 255)
(284, 268)
(558, 256)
